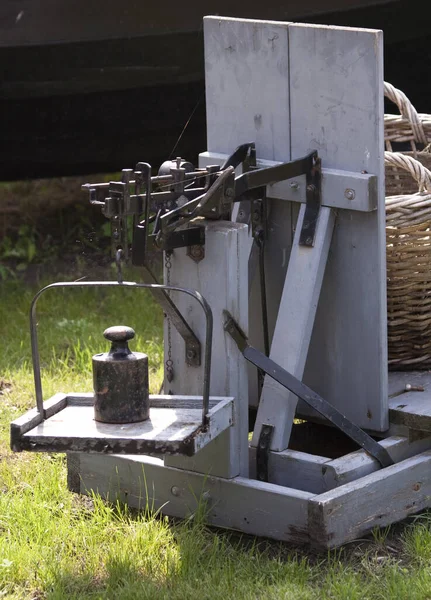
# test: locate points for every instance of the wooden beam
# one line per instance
(246, 505)
(358, 464)
(379, 499)
(294, 326)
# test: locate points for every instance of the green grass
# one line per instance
(55, 544)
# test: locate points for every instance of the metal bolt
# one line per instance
(349, 194)
(311, 188)
(240, 214)
(294, 185)
(190, 354)
(196, 252)
(309, 241)
(175, 491)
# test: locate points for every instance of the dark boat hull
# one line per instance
(96, 86)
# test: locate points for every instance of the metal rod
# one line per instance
(193, 346)
(125, 284)
(297, 387)
(323, 407)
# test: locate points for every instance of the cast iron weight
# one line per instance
(120, 379)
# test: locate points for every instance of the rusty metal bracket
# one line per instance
(262, 452)
(313, 202)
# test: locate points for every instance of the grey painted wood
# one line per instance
(410, 408)
(340, 189)
(336, 106)
(294, 327)
(253, 507)
(156, 401)
(247, 99)
(358, 464)
(381, 498)
(398, 380)
(247, 85)
(168, 430)
(221, 277)
(293, 469)
(32, 418)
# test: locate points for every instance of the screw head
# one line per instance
(311, 188)
(294, 185)
(196, 252)
(190, 354)
(175, 491)
(349, 194)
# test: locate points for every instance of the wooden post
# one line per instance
(294, 326)
(221, 277)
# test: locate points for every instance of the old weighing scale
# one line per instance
(274, 266)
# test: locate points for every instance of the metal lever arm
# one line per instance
(204, 203)
(298, 388)
(262, 177)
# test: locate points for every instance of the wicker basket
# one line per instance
(408, 248)
(410, 132)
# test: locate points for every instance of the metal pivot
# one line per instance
(303, 392)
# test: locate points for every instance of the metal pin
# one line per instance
(408, 388)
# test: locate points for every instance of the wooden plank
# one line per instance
(156, 401)
(247, 85)
(336, 107)
(221, 277)
(358, 464)
(32, 418)
(410, 408)
(247, 99)
(381, 498)
(167, 431)
(78, 421)
(398, 380)
(253, 507)
(294, 326)
(293, 469)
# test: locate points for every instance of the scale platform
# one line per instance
(174, 427)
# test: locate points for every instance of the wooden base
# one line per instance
(323, 520)
(309, 499)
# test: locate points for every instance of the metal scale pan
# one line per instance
(177, 425)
